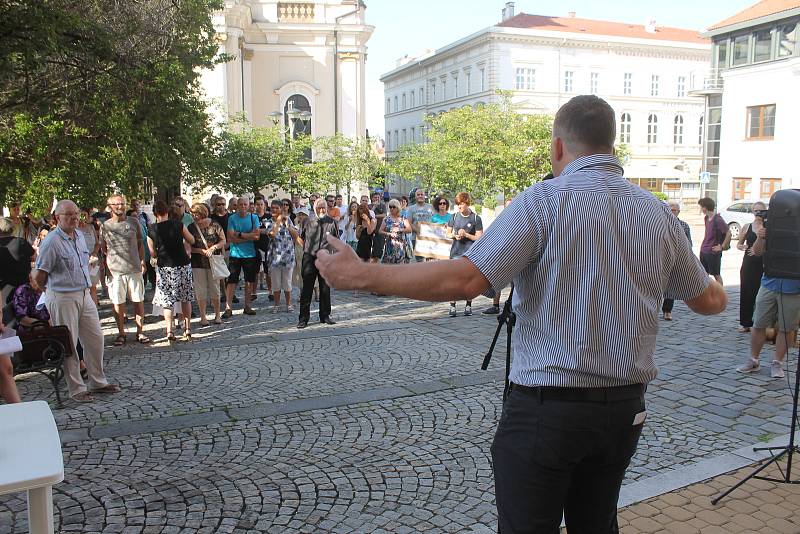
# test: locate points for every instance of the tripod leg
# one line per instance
(771, 461)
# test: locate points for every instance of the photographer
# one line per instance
(777, 304)
(588, 286)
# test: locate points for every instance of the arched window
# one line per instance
(625, 128)
(700, 132)
(300, 126)
(652, 129)
(677, 130)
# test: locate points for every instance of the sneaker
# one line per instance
(249, 311)
(453, 312)
(776, 370)
(289, 308)
(491, 310)
(751, 366)
(467, 310)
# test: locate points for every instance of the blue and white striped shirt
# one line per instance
(591, 257)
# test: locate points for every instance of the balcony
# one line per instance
(302, 12)
(712, 84)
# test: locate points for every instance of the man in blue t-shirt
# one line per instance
(778, 306)
(244, 229)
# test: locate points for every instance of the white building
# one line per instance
(644, 72)
(752, 93)
(303, 55)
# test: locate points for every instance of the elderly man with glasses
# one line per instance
(314, 239)
(63, 268)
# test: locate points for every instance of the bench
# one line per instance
(44, 356)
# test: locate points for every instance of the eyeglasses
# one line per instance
(286, 204)
(443, 203)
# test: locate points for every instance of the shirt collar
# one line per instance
(62, 234)
(608, 162)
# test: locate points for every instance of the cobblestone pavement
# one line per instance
(381, 423)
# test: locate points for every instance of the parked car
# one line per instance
(738, 214)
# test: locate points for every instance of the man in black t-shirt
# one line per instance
(379, 209)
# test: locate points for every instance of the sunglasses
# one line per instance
(443, 203)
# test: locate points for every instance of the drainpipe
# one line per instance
(336, 66)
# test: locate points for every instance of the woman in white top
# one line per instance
(348, 225)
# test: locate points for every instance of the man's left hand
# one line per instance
(339, 268)
(716, 248)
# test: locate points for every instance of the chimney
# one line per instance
(650, 27)
(508, 11)
(571, 14)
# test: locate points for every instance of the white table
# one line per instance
(30, 459)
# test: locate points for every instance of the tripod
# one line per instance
(788, 451)
(508, 318)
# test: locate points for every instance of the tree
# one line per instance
(341, 161)
(486, 150)
(97, 95)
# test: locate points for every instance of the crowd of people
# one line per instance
(197, 253)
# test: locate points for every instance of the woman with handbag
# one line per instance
(165, 239)
(208, 261)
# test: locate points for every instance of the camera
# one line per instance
(761, 213)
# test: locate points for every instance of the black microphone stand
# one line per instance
(508, 318)
(788, 451)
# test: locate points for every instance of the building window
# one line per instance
(411, 99)
(526, 79)
(652, 129)
(568, 77)
(388, 104)
(444, 90)
(388, 140)
(627, 83)
(677, 130)
(625, 128)
(722, 54)
(761, 122)
(468, 86)
(404, 101)
(396, 139)
(413, 136)
(700, 132)
(762, 45)
(741, 49)
(769, 186)
(594, 82)
(741, 188)
(681, 86)
(421, 96)
(787, 35)
(483, 79)
(433, 92)
(654, 85)
(404, 138)
(395, 104)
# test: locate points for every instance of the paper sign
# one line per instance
(432, 242)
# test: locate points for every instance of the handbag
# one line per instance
(38, 343)
(216, 261)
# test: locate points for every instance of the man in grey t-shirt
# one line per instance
(122, 244)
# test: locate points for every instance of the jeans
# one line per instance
(552, 457)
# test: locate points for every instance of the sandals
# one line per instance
(171, 337)
(187, 336)
(83, 396)
(743, 329)
(143, 339)
(108, 388)
(204, 323)
(217, 321)
(120, 340)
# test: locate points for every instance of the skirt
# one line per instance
(173, 284)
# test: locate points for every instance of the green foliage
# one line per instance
(660, 196)
(101, 95)
(487, 150)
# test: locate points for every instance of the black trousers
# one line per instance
(552, 456)
(668, 305)
(749, 283)
(310, 274)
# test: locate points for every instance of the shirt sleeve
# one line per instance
(46, 259)
(722, 226)
(687, 279)
(512, 242)
(478, 224)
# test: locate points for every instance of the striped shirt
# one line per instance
(591, 257)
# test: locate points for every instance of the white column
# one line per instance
(247, 105)
(349, 98)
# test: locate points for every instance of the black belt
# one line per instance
(609, 394)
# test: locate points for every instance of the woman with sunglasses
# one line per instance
(441, 206)
(282, 255)
(394, 228)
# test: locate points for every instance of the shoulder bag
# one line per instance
(217, 262)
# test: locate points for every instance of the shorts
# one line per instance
(250, 267)
(776, 309)
(281, 278)
(712, 262)
(124, 287)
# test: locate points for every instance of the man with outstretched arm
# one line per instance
(588, 289)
